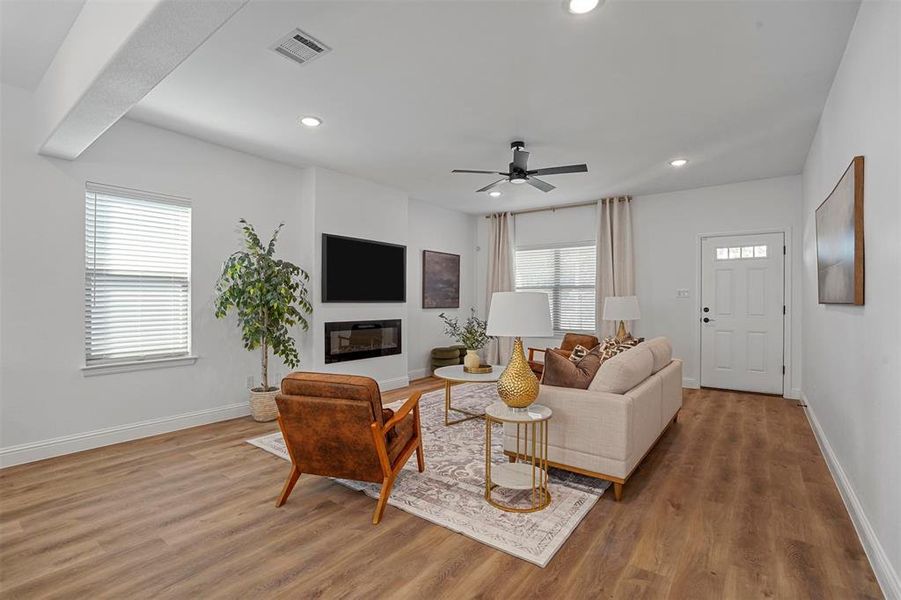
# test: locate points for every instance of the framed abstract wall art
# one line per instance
(839, 221)
(440, 279)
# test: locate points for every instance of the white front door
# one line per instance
(742, 309)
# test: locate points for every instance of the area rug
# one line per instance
(450, 492)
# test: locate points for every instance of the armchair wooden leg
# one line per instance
(289, 486)
(420, 457)
(387, 484)
(617, 491)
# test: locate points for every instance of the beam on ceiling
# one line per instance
(114, 54)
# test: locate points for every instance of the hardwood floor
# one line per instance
(734, 502)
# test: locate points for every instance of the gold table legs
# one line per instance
(447, 407)
(535, 462)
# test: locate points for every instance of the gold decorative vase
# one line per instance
(518, 386)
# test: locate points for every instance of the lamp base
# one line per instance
(621, 333)
(518, 387)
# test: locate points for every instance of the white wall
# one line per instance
(435, 228)
(852, 354)
(43, 393)
(354, 207)
(48, 407)
(347, 205)
(665, 229)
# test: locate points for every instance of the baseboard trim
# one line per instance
(793, 394)
(33, 451)
(691, 383)
(394, 383)
(882, 567)
(417, 374)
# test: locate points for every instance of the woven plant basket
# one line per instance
(262, 405)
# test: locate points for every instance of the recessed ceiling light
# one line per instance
(679, 162)
(580, 7)
(494, 194)
(311, 121)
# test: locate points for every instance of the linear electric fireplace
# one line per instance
(353, 340)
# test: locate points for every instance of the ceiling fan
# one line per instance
(519, 171)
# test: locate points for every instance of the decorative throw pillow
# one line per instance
(610, 347)
(563, 372)
(578, 353)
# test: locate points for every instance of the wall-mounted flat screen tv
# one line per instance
(355, 270)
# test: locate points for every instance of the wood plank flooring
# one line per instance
(734, 502)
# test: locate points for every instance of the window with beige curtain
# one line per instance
(567, 275)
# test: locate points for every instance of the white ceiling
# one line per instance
(31, 32)
(415, 89)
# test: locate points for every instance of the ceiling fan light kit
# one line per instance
(518, 171)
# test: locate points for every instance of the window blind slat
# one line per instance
(137, 277)
(567, 276)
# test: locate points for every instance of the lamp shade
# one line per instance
(621, 308)
(520, 314)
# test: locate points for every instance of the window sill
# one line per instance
(138, 365)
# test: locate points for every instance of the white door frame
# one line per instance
(787, 391)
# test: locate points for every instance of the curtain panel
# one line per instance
(500, 279)
(615, 262)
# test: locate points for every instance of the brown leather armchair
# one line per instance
(335, 426)
(570, 341)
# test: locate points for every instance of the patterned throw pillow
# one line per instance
(578, 353)
(610, 347)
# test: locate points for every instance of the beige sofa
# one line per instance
(605, 430)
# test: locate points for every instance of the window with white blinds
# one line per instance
(567, 275)
(137, 276)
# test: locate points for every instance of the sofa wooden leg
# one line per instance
(617, 491)
(289, 486)
(387, 484)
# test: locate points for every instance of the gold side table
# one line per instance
(455, 374)
(531, 428)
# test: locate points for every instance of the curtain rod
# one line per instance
(553, 208)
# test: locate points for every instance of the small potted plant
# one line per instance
(471, 334)
(269, 296)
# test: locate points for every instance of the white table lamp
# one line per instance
(621, 308)
(518, 315)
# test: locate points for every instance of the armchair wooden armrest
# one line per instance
(532, 352)
(411, 403)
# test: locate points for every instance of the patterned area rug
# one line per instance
(451, 491)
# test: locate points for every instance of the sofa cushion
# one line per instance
(622, 372)
(563, 372)
(662, 351)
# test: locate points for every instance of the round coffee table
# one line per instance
(529, 474)
(455, 374)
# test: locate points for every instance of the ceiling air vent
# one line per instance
(300, 47)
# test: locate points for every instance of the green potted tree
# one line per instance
(471, 334)
(269, 296)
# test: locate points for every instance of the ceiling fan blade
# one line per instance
(560, 170)
(520, 159)
(491, 185)
(544, 186)
(485, 172)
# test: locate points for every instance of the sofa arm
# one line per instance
(586, 421)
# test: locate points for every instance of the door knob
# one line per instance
(707, 320)
(706, 309)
